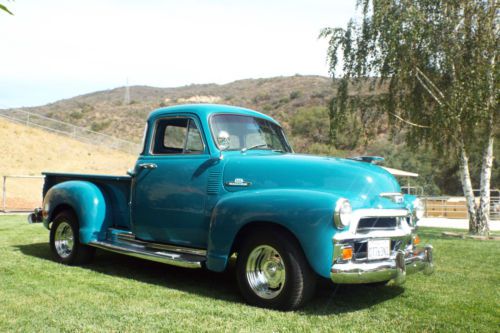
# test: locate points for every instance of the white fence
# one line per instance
(78, 133)
(456, 207)
(21, 193)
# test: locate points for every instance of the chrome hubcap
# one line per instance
(265, 272)
(63, 239)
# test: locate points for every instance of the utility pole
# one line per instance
(126, 98)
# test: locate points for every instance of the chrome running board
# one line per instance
(186, 260)
(129, 237)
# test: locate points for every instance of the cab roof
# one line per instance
(205, 110)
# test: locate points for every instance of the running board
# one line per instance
(129, 238)
(186, 260)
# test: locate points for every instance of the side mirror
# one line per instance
(223, 140)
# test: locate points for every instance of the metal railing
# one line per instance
(76, 132)
(413, 190)
(28, 196)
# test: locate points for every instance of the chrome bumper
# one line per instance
(393, 269)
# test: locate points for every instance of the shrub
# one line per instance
(99, 126)
(295, 94)
(76, 115)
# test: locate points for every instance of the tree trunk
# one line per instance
(483, 212)
(467, 188)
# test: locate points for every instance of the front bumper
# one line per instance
(393, 269)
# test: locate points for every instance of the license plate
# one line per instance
(379, 249)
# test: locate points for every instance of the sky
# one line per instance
(55, 49)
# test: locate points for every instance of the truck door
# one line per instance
(169, 191)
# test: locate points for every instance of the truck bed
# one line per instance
(116, 190)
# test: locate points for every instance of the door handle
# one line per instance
(148, 166)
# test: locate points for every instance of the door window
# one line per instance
(177, 136)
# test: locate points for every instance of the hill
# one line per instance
(29, 151)
(107, 112)
(299, 103)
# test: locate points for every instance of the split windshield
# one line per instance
(246, 132)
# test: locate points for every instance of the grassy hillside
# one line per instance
(105, 111)
(29, 151)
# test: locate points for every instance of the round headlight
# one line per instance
(343, 213)
(418, 208)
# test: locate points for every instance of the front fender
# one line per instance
(307, 214)
(88, 203)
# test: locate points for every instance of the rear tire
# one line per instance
(273, 272)
(65, 241)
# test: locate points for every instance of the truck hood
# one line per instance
(359, 182)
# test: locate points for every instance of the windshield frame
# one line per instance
(288, 148)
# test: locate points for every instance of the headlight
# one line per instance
(418, 209)
(343, 213)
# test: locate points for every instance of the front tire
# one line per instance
(65, 241)
(273, 272)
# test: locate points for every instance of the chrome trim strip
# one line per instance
(130, 238)
(238, 182)
(162, 257)
(389, 194)
(395, 197)
(375, 212)
(352, 232)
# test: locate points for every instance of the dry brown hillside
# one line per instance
(29, 151)
(106, 112)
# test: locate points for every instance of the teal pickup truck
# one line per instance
(213, 182)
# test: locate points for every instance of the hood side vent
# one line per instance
(214, 182)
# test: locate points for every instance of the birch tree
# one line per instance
(5, 9)
(436, 63)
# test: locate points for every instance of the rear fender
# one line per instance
(86, 200)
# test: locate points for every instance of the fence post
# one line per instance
(4, 191)
(28, 120)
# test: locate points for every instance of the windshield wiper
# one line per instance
(262, 145)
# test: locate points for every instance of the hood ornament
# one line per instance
(368, 159)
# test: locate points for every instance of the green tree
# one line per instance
(436, 61)
(5, 9)
(311, 122)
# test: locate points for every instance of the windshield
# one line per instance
(246, 132)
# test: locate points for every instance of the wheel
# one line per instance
(65, 241)
(273, 272)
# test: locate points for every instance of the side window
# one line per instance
(194, 142)
(177, 136)
(174, 136)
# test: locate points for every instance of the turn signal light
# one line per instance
(416, 240)
(347, 253)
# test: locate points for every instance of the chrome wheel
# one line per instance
(265, 272)
(64, 239)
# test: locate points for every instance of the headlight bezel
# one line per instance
(342, 216)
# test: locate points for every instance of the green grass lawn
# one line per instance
(118, 293)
